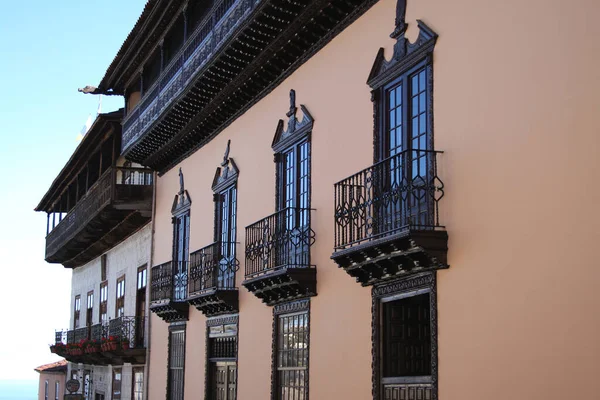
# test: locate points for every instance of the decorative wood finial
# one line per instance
(226, 156)
(401, 24)
(292, 112)
(181, 185)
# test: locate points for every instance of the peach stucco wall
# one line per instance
(516, 113)
(52, 378)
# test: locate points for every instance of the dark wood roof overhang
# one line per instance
(139, 44)
(103, 127)
(276, 39)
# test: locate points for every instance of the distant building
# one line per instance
(99, 208)
(52, 380)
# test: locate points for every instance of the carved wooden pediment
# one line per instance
(182, 200)
(406, 54)
(296, 130)
(227, 173)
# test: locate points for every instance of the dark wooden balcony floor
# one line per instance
(107, 214)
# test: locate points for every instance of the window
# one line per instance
(46, 390)
(176, 363)
(77, 310)
(405, 172)
(116, 384)
(140, 305)
(104, 303)
(120, 306)
(141, 278)
(138, 384)
(181, 241)
(90, 308)
(292, 154)
(56, 390)
(405, 324)
(225, 232)
(222, 357)
(291, 355)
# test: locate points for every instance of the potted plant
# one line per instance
(110, 343)
(125, 343)
(58, 348)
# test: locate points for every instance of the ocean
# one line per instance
(18, 390)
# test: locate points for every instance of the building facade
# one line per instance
(351, 200)
(99, 208)
(52, 380)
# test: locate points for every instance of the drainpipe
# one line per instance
(148, 316)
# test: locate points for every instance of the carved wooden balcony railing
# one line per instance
(278, 265)
(387, 218)
(211, 286)
(168, 291)
(207, 39)
(115, 206)
(229, 63)
(122, 329)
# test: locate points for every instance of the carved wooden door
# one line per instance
(223, 385)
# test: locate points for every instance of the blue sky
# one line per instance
(48, 50)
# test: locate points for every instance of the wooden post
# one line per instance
(87, 177)
(47, 223)
(53, 218)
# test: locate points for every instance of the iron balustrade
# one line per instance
(394, 195)
(207, 38)
(169, 281)
(130, 328)
(114, 184)
(281, 240)
(213, 267)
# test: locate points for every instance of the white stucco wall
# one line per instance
(123, 259)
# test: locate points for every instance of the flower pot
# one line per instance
(111, 346)
(125, 346)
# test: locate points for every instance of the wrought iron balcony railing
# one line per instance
(169, 281)
(399, 193)
(213, 267)
(130, 328)
(281, 240)
(205, 41)
(116, 185)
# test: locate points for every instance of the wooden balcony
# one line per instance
(235, 57)
(85, 345)
(278, 267)
(211, 286)
(118, 204)
(168, 291)
(387, 219)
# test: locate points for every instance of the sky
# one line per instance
(48, 49)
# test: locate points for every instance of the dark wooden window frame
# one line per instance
(297, 133)
(103, 301)
(119, 300)
(175, 327)
(89, 309)
(225, 182)
(215, 321)
(77, 312)
(411, 286)
(407, 58)
(112, 388)
(181, 211)
(292, 307)
(142, 282)
(134, 370)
